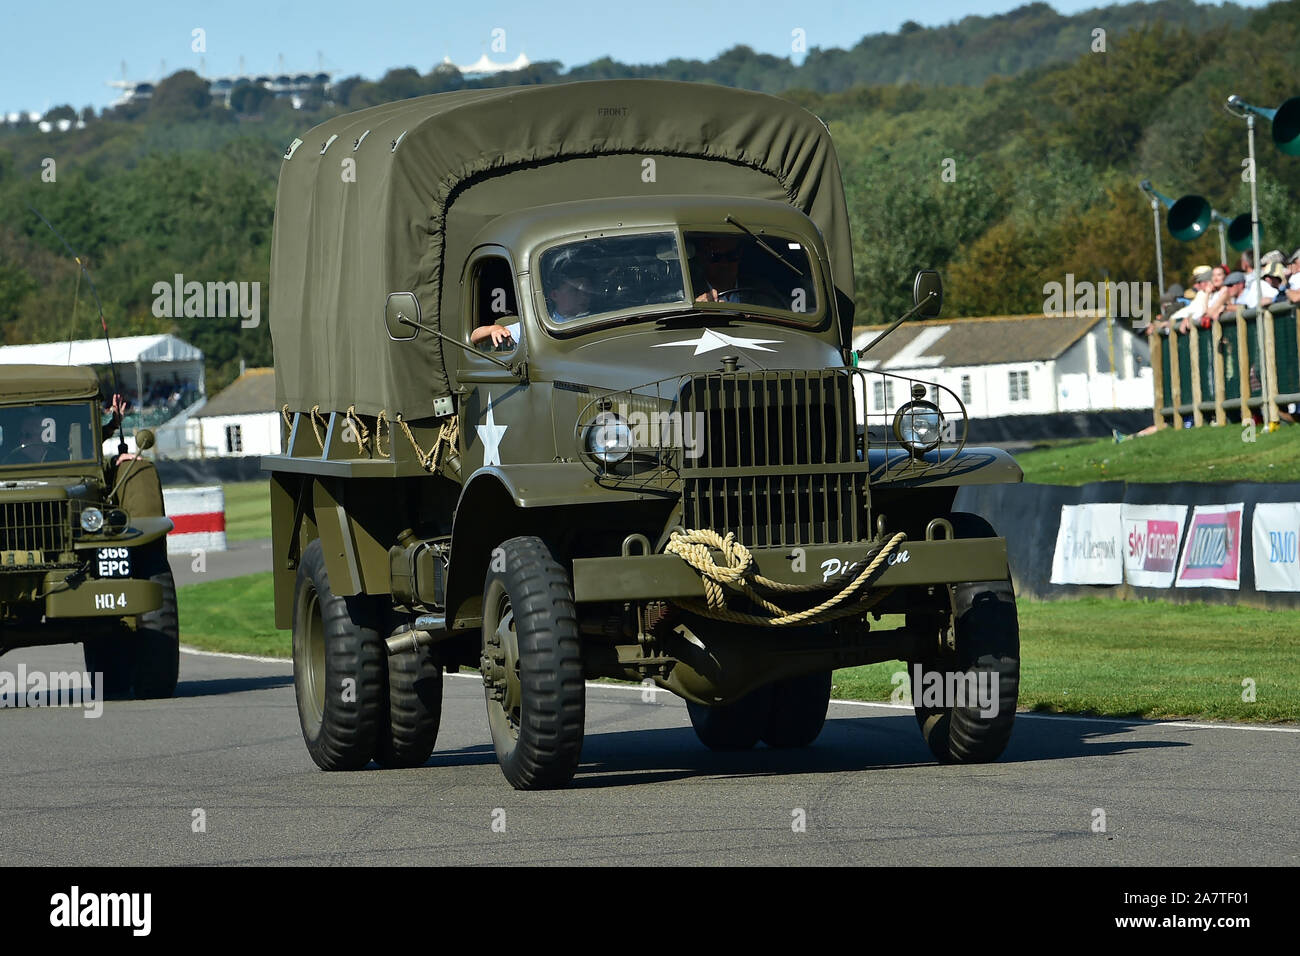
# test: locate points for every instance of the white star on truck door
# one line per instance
(490, 434)
(710, 340)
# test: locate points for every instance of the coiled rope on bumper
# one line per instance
(696, 547)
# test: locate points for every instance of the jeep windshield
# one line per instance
(40, 434)
(631, 275)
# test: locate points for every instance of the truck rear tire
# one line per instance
(798, 712)
(157, 651)
(736, 726)
(987, 639)
(532, 667)
(414, 709)
(339, 664)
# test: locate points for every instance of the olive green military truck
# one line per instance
(568, 392)
(83, 551)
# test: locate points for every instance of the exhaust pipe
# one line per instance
(421, 634)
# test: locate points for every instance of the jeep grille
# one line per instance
(36, 526)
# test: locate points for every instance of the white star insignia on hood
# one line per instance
(710, 340)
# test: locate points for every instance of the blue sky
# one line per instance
(65, 52)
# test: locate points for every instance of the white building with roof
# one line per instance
(1014, 365)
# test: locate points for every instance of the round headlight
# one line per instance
(92, 520)
(609, 440)
(918, 426)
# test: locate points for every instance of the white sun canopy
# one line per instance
(144, 360)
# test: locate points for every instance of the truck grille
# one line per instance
(35, 526)
(799, 429)
(779, 456)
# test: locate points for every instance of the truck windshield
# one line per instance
(35, 434)
(588, 278)
(598, 276)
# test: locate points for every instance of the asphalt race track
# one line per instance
(122, 789)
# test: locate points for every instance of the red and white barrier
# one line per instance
(200, 518)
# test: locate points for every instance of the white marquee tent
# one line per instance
(142, 360)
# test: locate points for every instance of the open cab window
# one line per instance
(495, 325)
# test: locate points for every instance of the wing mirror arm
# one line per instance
(927, 293)
(513, 368)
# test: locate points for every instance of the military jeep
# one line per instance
(568, 392)
(83, 553)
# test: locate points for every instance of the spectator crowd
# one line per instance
(1214, 293)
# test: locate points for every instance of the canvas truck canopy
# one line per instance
(47, 383)
(349, 233)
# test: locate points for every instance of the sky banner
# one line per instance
(1151, 537)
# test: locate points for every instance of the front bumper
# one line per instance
(668, 577)
(99, 597)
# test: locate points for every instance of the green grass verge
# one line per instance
(1096, 655)
(235, 616)
(248, 510)
(1188, 454)
(1141, 659)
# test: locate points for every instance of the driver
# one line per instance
(570, 291)
(720, 259)
(32, 446)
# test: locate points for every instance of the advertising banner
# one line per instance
(1274, 530)
(1212, 554)
(1088, 547)
(1151, 537)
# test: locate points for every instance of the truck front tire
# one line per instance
(339, 669)
(987, 644)
(532, 666)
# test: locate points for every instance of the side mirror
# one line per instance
(144, 439)
(927, 293)
(399, 306)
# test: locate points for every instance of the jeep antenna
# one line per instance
(103, 323)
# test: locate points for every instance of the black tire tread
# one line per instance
(414, 710)
(988, 639)
(349, 730)
(553, 712)
(798, 711)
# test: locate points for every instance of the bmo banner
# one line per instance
(1088, 545)
(1273, 533)
(1212, 554)
(1151, 537)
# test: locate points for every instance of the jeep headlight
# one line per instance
(918, 426)
(608, 440)
(92, 520)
